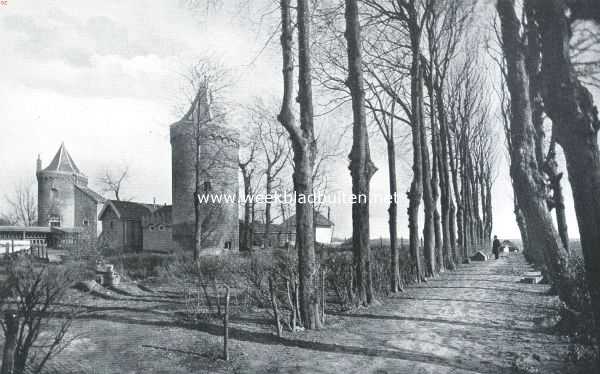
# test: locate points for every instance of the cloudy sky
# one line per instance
(106, 76)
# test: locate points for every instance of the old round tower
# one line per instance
(64, 199)
(56, 192)
(200, 147)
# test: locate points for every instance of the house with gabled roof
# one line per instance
(131, 226)
(122, 224)
(323, 227)
(283, 234)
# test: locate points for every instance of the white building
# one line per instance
(323, 228)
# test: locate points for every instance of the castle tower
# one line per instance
(217, 148)
(64, 200)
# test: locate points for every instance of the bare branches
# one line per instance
(34, 297)
(113, 180)
(22, 205)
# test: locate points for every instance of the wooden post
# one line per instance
(323, 294)
(297, 300)
(10, 343)
(46, 253)
(226, 327)
(275, 308)
(292, 307)
(12, 244)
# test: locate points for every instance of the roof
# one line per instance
(91, 193)
(24, 228)
(259, 228)
(63, 162)
(320, 221)
(67, 230)
(164, 209)
(126, 209)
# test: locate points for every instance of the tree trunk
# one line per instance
(428, 229)
(246, 237)
(528, 181)
(269, 191)
(558, 201)
(570, 106)
(10, 343)
(448, 227)
(304, 145)
(416, 188)
(435, 175)
(457, 211)
(393, 215)
(361, 166)
(197, 205)
(200, 120)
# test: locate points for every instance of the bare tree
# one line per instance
(527, 178)
(113, 180)
(407, 20)
(248, 170)
(444, 29)
(274, 144)
(304, 147)
(36, 319)
(504, 114)
(22, 205)
(571, 107)
(361, 166)
(214, 144)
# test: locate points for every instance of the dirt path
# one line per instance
(476, 319)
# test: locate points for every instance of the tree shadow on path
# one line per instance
(271, 339)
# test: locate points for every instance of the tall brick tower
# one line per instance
(217, 148)
(64, 200)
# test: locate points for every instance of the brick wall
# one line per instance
(56, 197)
(112, 230)
(158, 238)
(85, 213)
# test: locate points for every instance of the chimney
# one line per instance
(38, 167)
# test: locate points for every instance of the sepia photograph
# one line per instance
(299, 186)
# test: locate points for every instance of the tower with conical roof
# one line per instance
(64, 200)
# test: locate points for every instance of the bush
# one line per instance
(578, 320)
(141, 265)
(339, 273)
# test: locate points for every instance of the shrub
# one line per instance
(141, 265)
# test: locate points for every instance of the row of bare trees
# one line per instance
(445, 109)
(542, 58)
(405, 68)
(421, 45)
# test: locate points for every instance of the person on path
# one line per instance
(496, 247)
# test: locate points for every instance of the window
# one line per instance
(112, 224)
(207, 186)
(228, 245)
(86, 222)
(54, 221)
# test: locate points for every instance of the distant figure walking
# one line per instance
(496, 247)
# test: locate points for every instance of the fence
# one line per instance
(14, 248)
